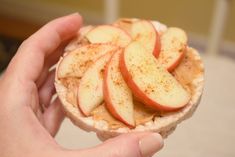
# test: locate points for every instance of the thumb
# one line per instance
(126, 145)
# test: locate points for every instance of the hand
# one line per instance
(26, 129)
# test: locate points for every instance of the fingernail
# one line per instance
(74, 14)
(150, 144)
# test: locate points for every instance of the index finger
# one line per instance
(29, 59)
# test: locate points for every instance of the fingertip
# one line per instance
(76, 20)
(67, 26)
(138, 144)
(78, 16)
(150, 144)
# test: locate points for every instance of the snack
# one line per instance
(133, 75)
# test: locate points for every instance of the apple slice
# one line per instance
(75, 63)
(173, 48)
(90, 90)
(149, 81)
(144, 32)
(109, 34)
(117, 95)
(125, 23)
(79, 40)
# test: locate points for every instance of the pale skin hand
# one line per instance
(27, 82)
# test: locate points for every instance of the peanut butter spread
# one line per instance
(185, 73)
(189, 69)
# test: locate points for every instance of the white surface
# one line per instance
(210, 132)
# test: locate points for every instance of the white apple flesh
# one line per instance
(109, 34)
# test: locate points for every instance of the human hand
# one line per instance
(27, 129)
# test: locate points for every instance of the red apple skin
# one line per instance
(177, 62)
(157, 48)
(108, 101)
(140, 95)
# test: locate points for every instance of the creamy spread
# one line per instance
(188, 70)
(71, 83)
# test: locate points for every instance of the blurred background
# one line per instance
(210, 25)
